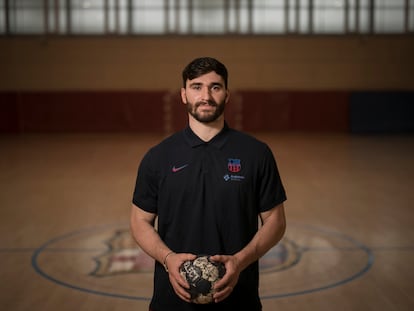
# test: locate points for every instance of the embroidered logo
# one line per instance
(228, 177)
(179, 168)
(234, 165)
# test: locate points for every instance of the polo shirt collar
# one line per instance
(218, 141)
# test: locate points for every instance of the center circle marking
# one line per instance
(104, 260)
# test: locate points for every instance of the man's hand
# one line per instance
(179, 284)
(225, 286)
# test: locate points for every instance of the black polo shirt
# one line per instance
(207, 196)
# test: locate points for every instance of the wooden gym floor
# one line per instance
(64, 209)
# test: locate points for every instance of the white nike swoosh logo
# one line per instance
(176, 169)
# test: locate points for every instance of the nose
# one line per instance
(205, 94)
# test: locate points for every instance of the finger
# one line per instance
(181, 291)
(188, 256)
(184, 295)
(222, 294)
(182, 282)
(218, 258)
(223, 282)
(179, 280)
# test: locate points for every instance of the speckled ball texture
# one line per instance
(201, 274)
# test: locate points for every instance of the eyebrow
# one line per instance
(210, 85)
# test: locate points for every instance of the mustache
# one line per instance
(209, 102)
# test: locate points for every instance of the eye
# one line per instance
(196, 87)
(216, 88)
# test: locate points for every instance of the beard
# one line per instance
(206, 117)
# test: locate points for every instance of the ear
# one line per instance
(227, 96)
(183, 97)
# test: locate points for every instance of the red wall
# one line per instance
(298, 111)
(80, 111)
(160, 111)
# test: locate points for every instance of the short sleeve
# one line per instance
(271, 189)
(146, 186)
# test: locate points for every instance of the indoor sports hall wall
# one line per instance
(318, 83)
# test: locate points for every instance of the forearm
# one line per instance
(147, 238)
(268, 235)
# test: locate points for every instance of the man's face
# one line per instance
(205, 97)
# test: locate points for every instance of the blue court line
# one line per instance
(16, 249)
(360, 273)
(57, 250)
(393, 248)
(43, 247)
(358, 246)
(309, 249)
(48, 247)
(77, 250)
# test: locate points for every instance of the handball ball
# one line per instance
(201, 274)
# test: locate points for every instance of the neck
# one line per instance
(206, 131)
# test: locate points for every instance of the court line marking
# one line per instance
(46, 248)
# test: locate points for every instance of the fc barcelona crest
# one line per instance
(234, 165)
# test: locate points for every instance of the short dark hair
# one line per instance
(203, 65)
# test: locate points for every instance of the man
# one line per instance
(206, 186)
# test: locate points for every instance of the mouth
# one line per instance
(206, 105)
(206, 108)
